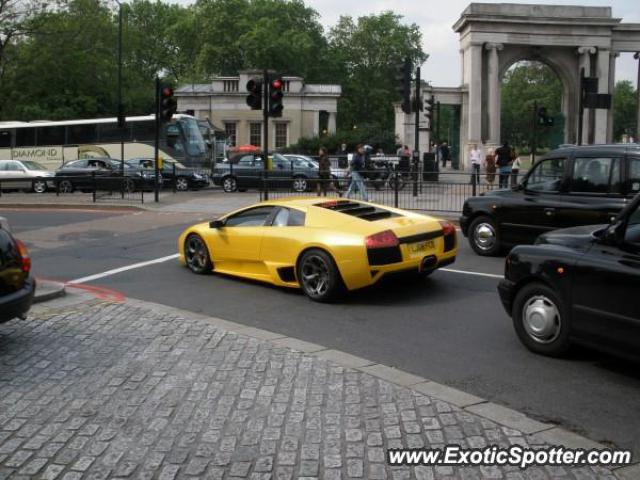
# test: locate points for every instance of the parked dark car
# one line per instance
(297, 174)
(17, 284)
(184, 179)
(105, 172)
(569, 187)
(578, 285)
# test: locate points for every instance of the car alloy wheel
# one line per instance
(300, 184)
(540, 319)
(484, 236)
(65, 186)
(128, 185)
(229, 184)
(196, 254)
(182, 184)
(39, 186)
(318, 276)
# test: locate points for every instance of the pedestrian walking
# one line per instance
(475, 156)
(357, 167)
(504, 160)
(490, 168)
(515, 168)
(324, 172)
(404, 155)
(444, 153)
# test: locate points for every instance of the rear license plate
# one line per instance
(421, 247)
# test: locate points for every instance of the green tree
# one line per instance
(524, 85)
(365, 53)
(624, 109)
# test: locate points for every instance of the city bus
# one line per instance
(53, 143)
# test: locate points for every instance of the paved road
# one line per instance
(449, 328)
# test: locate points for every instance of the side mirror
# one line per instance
(216, 224)
(614, 234)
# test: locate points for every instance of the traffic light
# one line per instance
(403, 84)
(429, 105)
(254, 99)
(168, 104)
(275, 97)
(544, 120)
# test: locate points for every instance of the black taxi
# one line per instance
(572, 186)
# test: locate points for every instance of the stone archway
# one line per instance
(570, 39)
(515, 54)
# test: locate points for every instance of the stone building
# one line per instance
(309, 109)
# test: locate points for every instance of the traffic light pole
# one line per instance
(534, 131)
(416, 146)
(265, 134)
(156, 183)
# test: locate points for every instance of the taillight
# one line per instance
(447, 228)
(24, 260)
(382, 240)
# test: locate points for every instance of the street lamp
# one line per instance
(121, 118)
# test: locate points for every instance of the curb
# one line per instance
(72, 206)
(536, 432)
(48, 290)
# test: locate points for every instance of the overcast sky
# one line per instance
(436, 17)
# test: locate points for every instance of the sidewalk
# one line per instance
(94, 389)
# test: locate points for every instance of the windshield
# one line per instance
(170, 164)
(193, 137)
(29, 165)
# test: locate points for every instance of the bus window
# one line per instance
(25, 137)
(193, 137)
(5, 138)
(78, 134)
(50, 136)
(143, 131)
(110, 133)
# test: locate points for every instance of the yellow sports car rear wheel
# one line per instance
(197, 255)
(319, 277)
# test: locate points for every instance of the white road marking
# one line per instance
(115, 271)
(465, 272)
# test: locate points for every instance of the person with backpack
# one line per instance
(357, 166)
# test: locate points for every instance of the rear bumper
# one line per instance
(426, 264)
(507, 291)
(18, 303)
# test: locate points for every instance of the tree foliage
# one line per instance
(60, 60)
(624, 110)
(524, 86)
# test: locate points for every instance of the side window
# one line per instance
(596, 175)
(296, 218)
(253, 217)
(76, 164)
(547, 175)
(13, 167)
(5, 138)
(246, 161)
(634, 175)
(282, 218)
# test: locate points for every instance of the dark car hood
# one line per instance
(574, 237)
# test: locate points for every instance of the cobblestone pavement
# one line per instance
(119, 390)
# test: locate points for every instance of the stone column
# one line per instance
(475, 96)
(584, 62)
(331, 127)
(602, 72)
(493, 90)
(612, 85)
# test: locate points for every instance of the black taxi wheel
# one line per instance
(196, 255)
(182, 184)
(541, 320)
(229, 184)
(319, 276)
(484, 236)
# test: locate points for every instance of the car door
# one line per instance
(281, 172)
(77, 172)
(531, 210)
(17, 174)
(605, 286)
(595, 191)
(245, 171)
(235, 247)
(281, 242)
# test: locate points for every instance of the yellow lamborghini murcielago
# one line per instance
(324, 246)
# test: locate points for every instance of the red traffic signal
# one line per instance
(275, 97)
(168, 104)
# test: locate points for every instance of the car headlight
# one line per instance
(197, 176)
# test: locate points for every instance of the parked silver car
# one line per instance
(25, 175)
